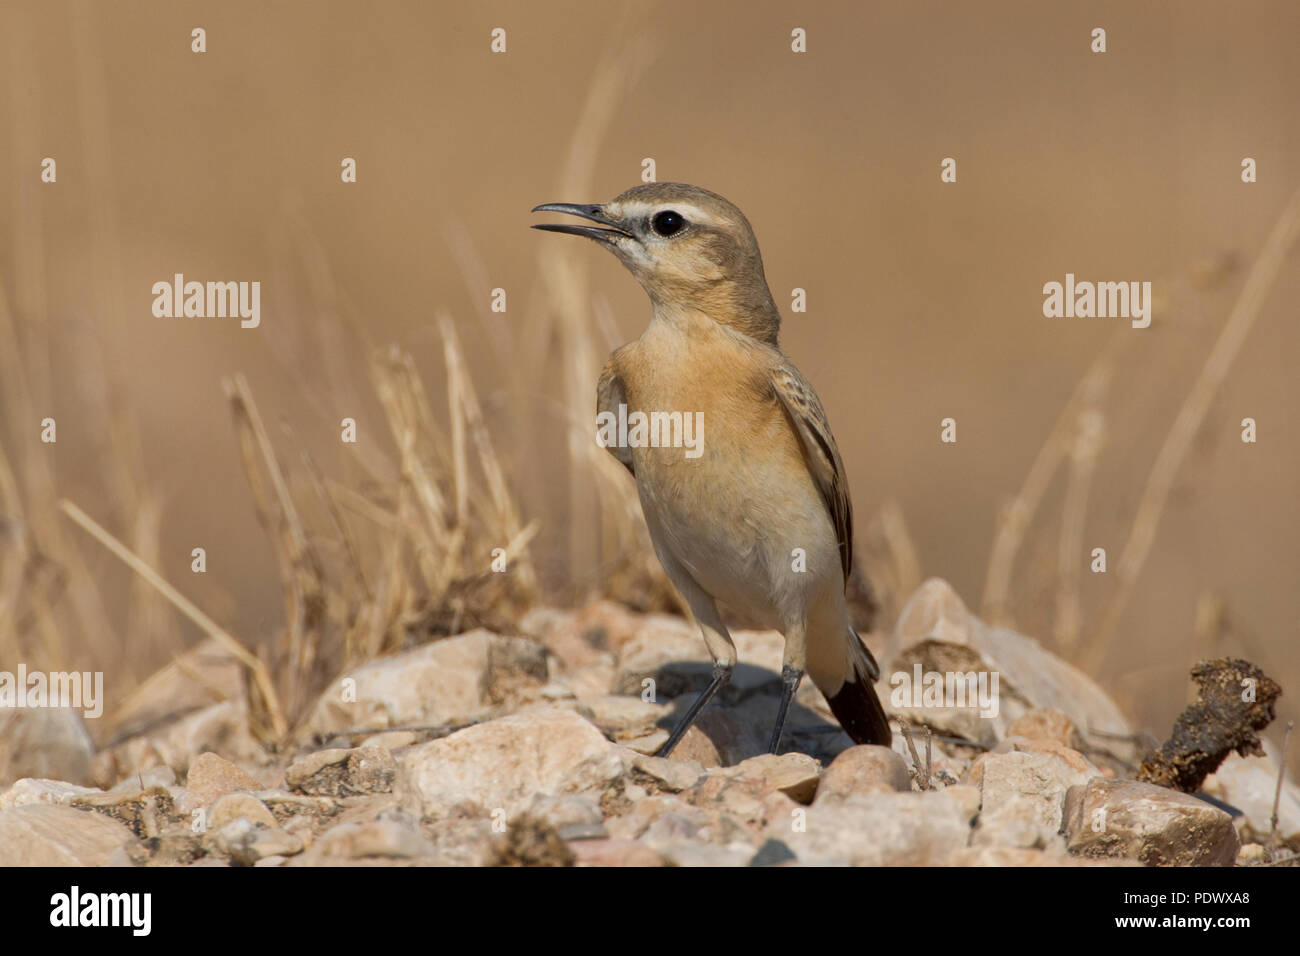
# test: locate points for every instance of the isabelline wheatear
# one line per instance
(761, 519)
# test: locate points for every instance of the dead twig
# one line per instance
(256, 666)
(1263, 275)
(1273, 839)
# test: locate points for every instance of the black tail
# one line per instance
(856, 706)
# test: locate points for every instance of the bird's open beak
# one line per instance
(595, 213)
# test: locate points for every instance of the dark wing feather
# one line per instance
(609, 395)
(820, 453)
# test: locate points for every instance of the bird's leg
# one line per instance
(721, 674)
(716, 639)
(790, 678)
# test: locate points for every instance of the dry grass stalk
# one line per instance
(1084, 452)
(300, 571)
(257, 669)
(1274, 839)
(1191, 415)
(890, 562)
(1015, 519)
(569, 306)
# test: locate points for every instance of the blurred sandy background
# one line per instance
(924, 299)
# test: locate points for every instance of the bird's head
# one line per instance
(691, 250)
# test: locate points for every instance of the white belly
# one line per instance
(748, 535)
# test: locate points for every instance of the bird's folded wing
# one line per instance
(820, 453)
(609, 395)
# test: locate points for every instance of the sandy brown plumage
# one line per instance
(762, 517)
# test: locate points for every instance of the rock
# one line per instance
(1252, 854)
(1249, 784)
(694, 825)
(567, 812)
(641, 815)
(49, 743)
(371, 770)
(723, 736)
(212, 776)
(622, 718)
(45, 835)
(247, 844)
(668, 775)
(531, 842)
(342, 773)
(649, 741)
(1020, 822)
(235, 805)
(1044, 723)
(323, 773)
(160, 776)
(558, 769)
(462, 841)
(669, 651)
(287, 807)
(503, 763)
(949, 688)
(751, 780)
(1029, 676)
(221, 727)
(146, 813)
(698, 747)
(1016, 744)
(28, 791)
(773, 853)
(706, 854)
(777, 810)
(881, 829)
(934, 612)
(1022, 796)
(573, 816)
(393, 835)
(1124, 818)
(967, 798)
(1003, 856)
(573, 832)
(451, 681)
(863, 769)
(202, 676)
(178, 845)
(581, 638)
(615, 852)
(581, 643)
(392, 739)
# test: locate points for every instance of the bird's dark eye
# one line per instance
(668, 223)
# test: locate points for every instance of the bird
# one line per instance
(761, 518)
